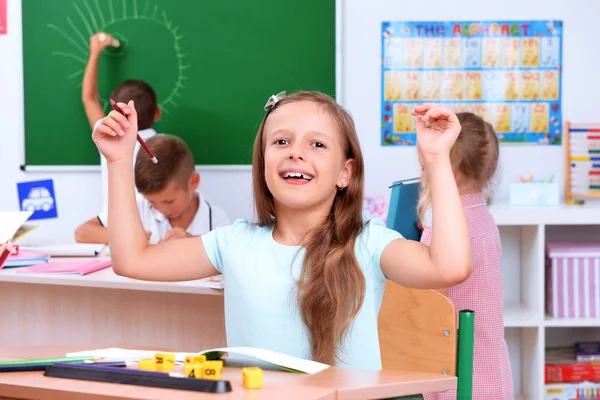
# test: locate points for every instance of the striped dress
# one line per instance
(482, 293)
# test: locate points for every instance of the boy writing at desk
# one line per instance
(172, 206)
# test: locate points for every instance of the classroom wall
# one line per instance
(78, 193)
(362, 78)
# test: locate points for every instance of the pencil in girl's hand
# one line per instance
(4, 253)
(139, 138)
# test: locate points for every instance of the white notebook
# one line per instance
(292, 364)
(66, 250)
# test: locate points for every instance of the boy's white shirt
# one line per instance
(145, 134)
(159, 225)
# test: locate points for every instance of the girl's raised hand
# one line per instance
(437, 130)
(116, 134)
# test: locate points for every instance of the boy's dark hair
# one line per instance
(143, 97)
(176, 162)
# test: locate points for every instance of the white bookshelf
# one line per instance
(528, 330)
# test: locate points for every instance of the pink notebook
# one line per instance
(77, 267)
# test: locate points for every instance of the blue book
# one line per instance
(402, 213)
(26, 259)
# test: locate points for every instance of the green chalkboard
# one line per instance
(213, 64)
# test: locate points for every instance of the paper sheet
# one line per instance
(213, 282)
(10, 222)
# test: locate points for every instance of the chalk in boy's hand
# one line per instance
(116, 134)
(101, 41)
(437, 129)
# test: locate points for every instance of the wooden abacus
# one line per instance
(582, 161)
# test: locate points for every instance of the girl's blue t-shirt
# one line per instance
(261, 308)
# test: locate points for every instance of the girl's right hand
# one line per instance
(116, 134)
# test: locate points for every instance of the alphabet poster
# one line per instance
(507, 72)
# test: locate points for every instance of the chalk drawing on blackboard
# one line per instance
(119, 17)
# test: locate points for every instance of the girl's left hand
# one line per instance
(437, 130)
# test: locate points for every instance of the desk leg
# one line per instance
(53, 315)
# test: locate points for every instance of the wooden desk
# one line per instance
(331, 384)
(51, 310)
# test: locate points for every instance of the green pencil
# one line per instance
(46, 360)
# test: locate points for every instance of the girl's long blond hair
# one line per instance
(475, 154)
(331, 286)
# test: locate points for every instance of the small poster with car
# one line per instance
(38, 197)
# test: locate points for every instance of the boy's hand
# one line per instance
(437, 130)
(176, 233)
(116, 134)
(100, 41)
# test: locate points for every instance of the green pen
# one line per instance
(46, 360)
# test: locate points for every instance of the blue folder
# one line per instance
(25, 261)
(402, 213)
(15, 262)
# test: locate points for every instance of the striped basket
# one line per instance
(573, 279)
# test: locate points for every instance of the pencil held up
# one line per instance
(139, 138)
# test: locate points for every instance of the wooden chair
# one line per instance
(417, 331)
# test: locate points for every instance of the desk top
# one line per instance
(331, 384)
(105, 278)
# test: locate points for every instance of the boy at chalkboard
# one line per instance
(172, 206)
(139, 91)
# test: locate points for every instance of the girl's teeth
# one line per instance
(297, 175)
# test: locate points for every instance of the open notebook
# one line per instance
(212, 282)
(283, 361)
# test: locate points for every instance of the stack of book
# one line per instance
(573, 372)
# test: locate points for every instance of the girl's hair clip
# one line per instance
(273, 100)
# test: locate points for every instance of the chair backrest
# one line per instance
(417, 330)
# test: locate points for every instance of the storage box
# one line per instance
(573, 279)
(534, 194)
(572, 391)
